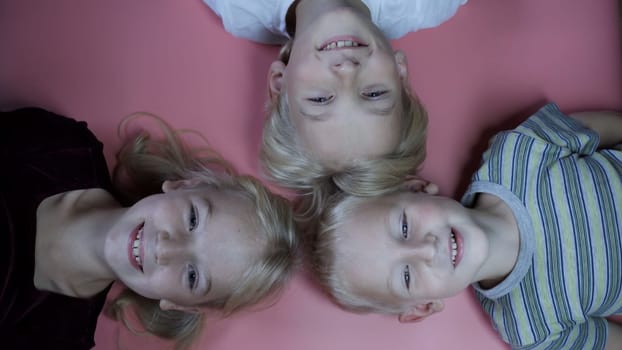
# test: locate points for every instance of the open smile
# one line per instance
(455, 247)
(342, 42)
(135, 250)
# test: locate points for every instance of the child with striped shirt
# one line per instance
(538, 234)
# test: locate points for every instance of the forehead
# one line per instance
(359, 211)
(231, 241)
(339, 140)
(364, 235)
(363, 251)
(231, 221)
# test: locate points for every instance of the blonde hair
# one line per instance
(323, 259)
(289, 165)
(144, 163)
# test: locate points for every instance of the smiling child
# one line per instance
(538, 235)
(194, 236)
(341, 113)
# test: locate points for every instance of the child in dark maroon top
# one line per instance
(193, 238)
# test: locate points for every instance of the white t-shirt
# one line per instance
(264, 20)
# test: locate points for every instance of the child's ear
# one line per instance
(416, 184)
(275, 79)
(171, 185)
(420, 311)
(169, 305)
(402, 65)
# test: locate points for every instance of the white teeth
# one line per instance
(454, 248)
(136, 247)
(340, 44)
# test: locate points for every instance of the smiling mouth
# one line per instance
(342, 43)
(135, 248)
(454, 247)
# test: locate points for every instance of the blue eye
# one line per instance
(192, 277)
(320, 99)
(375, 94)
(407, 277)
(404, 225)
(192, 218)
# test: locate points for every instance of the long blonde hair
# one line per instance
(287, 164)
(143, 164)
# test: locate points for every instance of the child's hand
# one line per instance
(608, 125)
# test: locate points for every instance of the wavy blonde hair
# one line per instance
(143, 164)
(321, 251)
(286, 162)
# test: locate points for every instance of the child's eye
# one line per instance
(375, 94)
(192, 277)
(404, 225)
(407, 276)
(320, 99)
(192, 218)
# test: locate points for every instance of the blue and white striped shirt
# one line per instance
(566, 195)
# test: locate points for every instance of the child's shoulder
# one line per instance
(397, 18)
(551, 126)
(260, 21)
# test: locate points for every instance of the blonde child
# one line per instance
(538, 235)
(194, 236)
(341, 114)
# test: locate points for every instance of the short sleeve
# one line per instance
(553, 127)
(259, 21)
(397, 18)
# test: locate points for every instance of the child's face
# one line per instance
(194, 244)
(409, 249)
(344, 102)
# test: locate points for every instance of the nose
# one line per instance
(168, 248)
(424, 248)
(345, 65)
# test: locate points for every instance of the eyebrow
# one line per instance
(391, 286)
(208, 213)
(208, 285)
(390, 283)
(392, 218)
(325, 116)
(390, 222)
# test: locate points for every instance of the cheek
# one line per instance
(160, 285)
(384, 66)
(303, 73)
(383, 138)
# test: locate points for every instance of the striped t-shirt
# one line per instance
(566, 195)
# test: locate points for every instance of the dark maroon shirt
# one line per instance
(42, 154)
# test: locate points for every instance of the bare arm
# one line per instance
(608, 125)
(614, 339)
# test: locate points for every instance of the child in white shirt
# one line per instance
(341, 109)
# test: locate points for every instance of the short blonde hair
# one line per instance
(144, 163)
(289, 165)
(323, 258)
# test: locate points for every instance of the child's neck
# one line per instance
(70, 241)
(306, 11)
(499, 223)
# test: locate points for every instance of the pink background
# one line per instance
(492, 64)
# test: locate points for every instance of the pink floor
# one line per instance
(494, 62)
